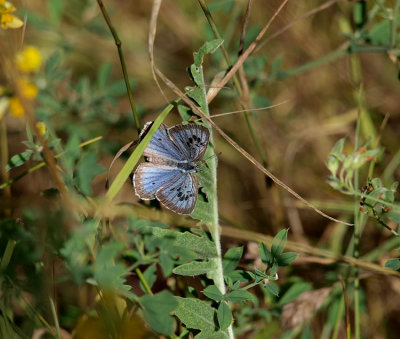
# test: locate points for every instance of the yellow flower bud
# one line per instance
(29, 59)
(16, 107)
(28, 90)
(41, 127)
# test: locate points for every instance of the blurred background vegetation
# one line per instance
(319, 66)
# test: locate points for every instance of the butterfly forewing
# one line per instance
(180, 194)
(149, 178)
(191, 140)
(161, 148)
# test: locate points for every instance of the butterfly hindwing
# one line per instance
(180, 195)
(149, 178)
(191, 140)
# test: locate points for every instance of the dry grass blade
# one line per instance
(302, 309)
(152, 35)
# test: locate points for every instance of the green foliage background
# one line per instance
(102, 264)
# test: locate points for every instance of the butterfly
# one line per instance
(170, 173)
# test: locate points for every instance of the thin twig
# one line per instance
(118, 43)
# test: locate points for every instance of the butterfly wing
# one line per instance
(180, 195)
(191, 140)
(149, 178)
(161, 149)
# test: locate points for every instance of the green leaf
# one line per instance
(273, 288)
(265, 254)
(166, 263)
(231, 259)
(200, 245)
(208, 48)
(197, 314)
(224, 316)
(19, 159)
(394, 264)
(150, 275)
(87, 169)
(213, 293)
(278, 243)
(157, 309)
(195, 268)
(77, 250)
(55, 10)
(239, 295)
(285, 259)
(294, 291)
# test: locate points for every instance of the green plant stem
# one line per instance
(42, 164)
(338, 318)
(236, 82)
(357, 231)
(118, 43)
(4, 153)
(143, 281)
(393, 31)
(215, 229)
(5, 260)
(56, 323)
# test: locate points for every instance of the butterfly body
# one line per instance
(170, 173)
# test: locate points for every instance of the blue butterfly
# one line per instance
(169, 175)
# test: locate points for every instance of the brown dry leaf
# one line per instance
(300, 310)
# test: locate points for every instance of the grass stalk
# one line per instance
(54, 313)
(118, 43)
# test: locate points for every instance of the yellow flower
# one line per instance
(8, 20)
(41, 127)
(16, 107)
(29, 59)
(28, 89)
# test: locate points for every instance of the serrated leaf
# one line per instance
(273, 288)
(213, 293)
(231, 259)
(224, 316)
(239, 295)
(394, 264)
(278, 243)
(199, 315)
(86, 170)
(201, 245)
(78, 249)
(195, 268)
(19, 159)
(157, 309)
(286, 259)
